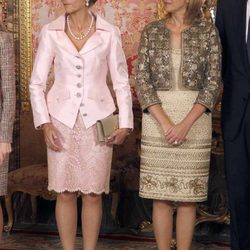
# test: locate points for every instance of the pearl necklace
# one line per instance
(82, 36)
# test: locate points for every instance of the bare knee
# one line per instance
(67, 197)
(161, 204)
(91, 199)
(186, 206)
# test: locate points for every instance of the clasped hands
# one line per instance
(175, 134)
(5, 149)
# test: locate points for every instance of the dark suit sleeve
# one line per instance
(221, 28)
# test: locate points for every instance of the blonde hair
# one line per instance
(194, 11)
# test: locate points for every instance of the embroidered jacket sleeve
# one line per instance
(145, 89)
(210, 91)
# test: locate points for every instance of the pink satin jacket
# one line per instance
(80, 77)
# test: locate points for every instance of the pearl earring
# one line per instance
(87, 3)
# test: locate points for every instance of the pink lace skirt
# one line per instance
(84, 165)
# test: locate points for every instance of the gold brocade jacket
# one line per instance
(200, 67)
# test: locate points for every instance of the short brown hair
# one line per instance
(92, 2)
(2, 25)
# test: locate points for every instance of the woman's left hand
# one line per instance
(118, 137)
(5, 149)
(177, 134)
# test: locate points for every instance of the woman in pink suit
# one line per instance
(83, 47)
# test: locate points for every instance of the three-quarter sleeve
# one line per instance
(8, 88)
(38, 82)
(119, 74)
(210, 91)
(145, 89)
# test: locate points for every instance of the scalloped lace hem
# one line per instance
(167, 198)
(79, 190)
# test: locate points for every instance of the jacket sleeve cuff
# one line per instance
(4, 139)
(130, 126)
(146, 106)
(209, 107)
(6, 134)
(38, 124)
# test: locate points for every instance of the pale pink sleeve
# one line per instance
(119, 74)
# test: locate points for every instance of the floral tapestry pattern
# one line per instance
(129, 15)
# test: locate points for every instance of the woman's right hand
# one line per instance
(166, 127)
(162, 118)
(51, 137)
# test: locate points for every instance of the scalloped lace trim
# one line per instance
(78, 190)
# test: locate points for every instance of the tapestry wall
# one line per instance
(130, 16)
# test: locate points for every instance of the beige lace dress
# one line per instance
(175, 173)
